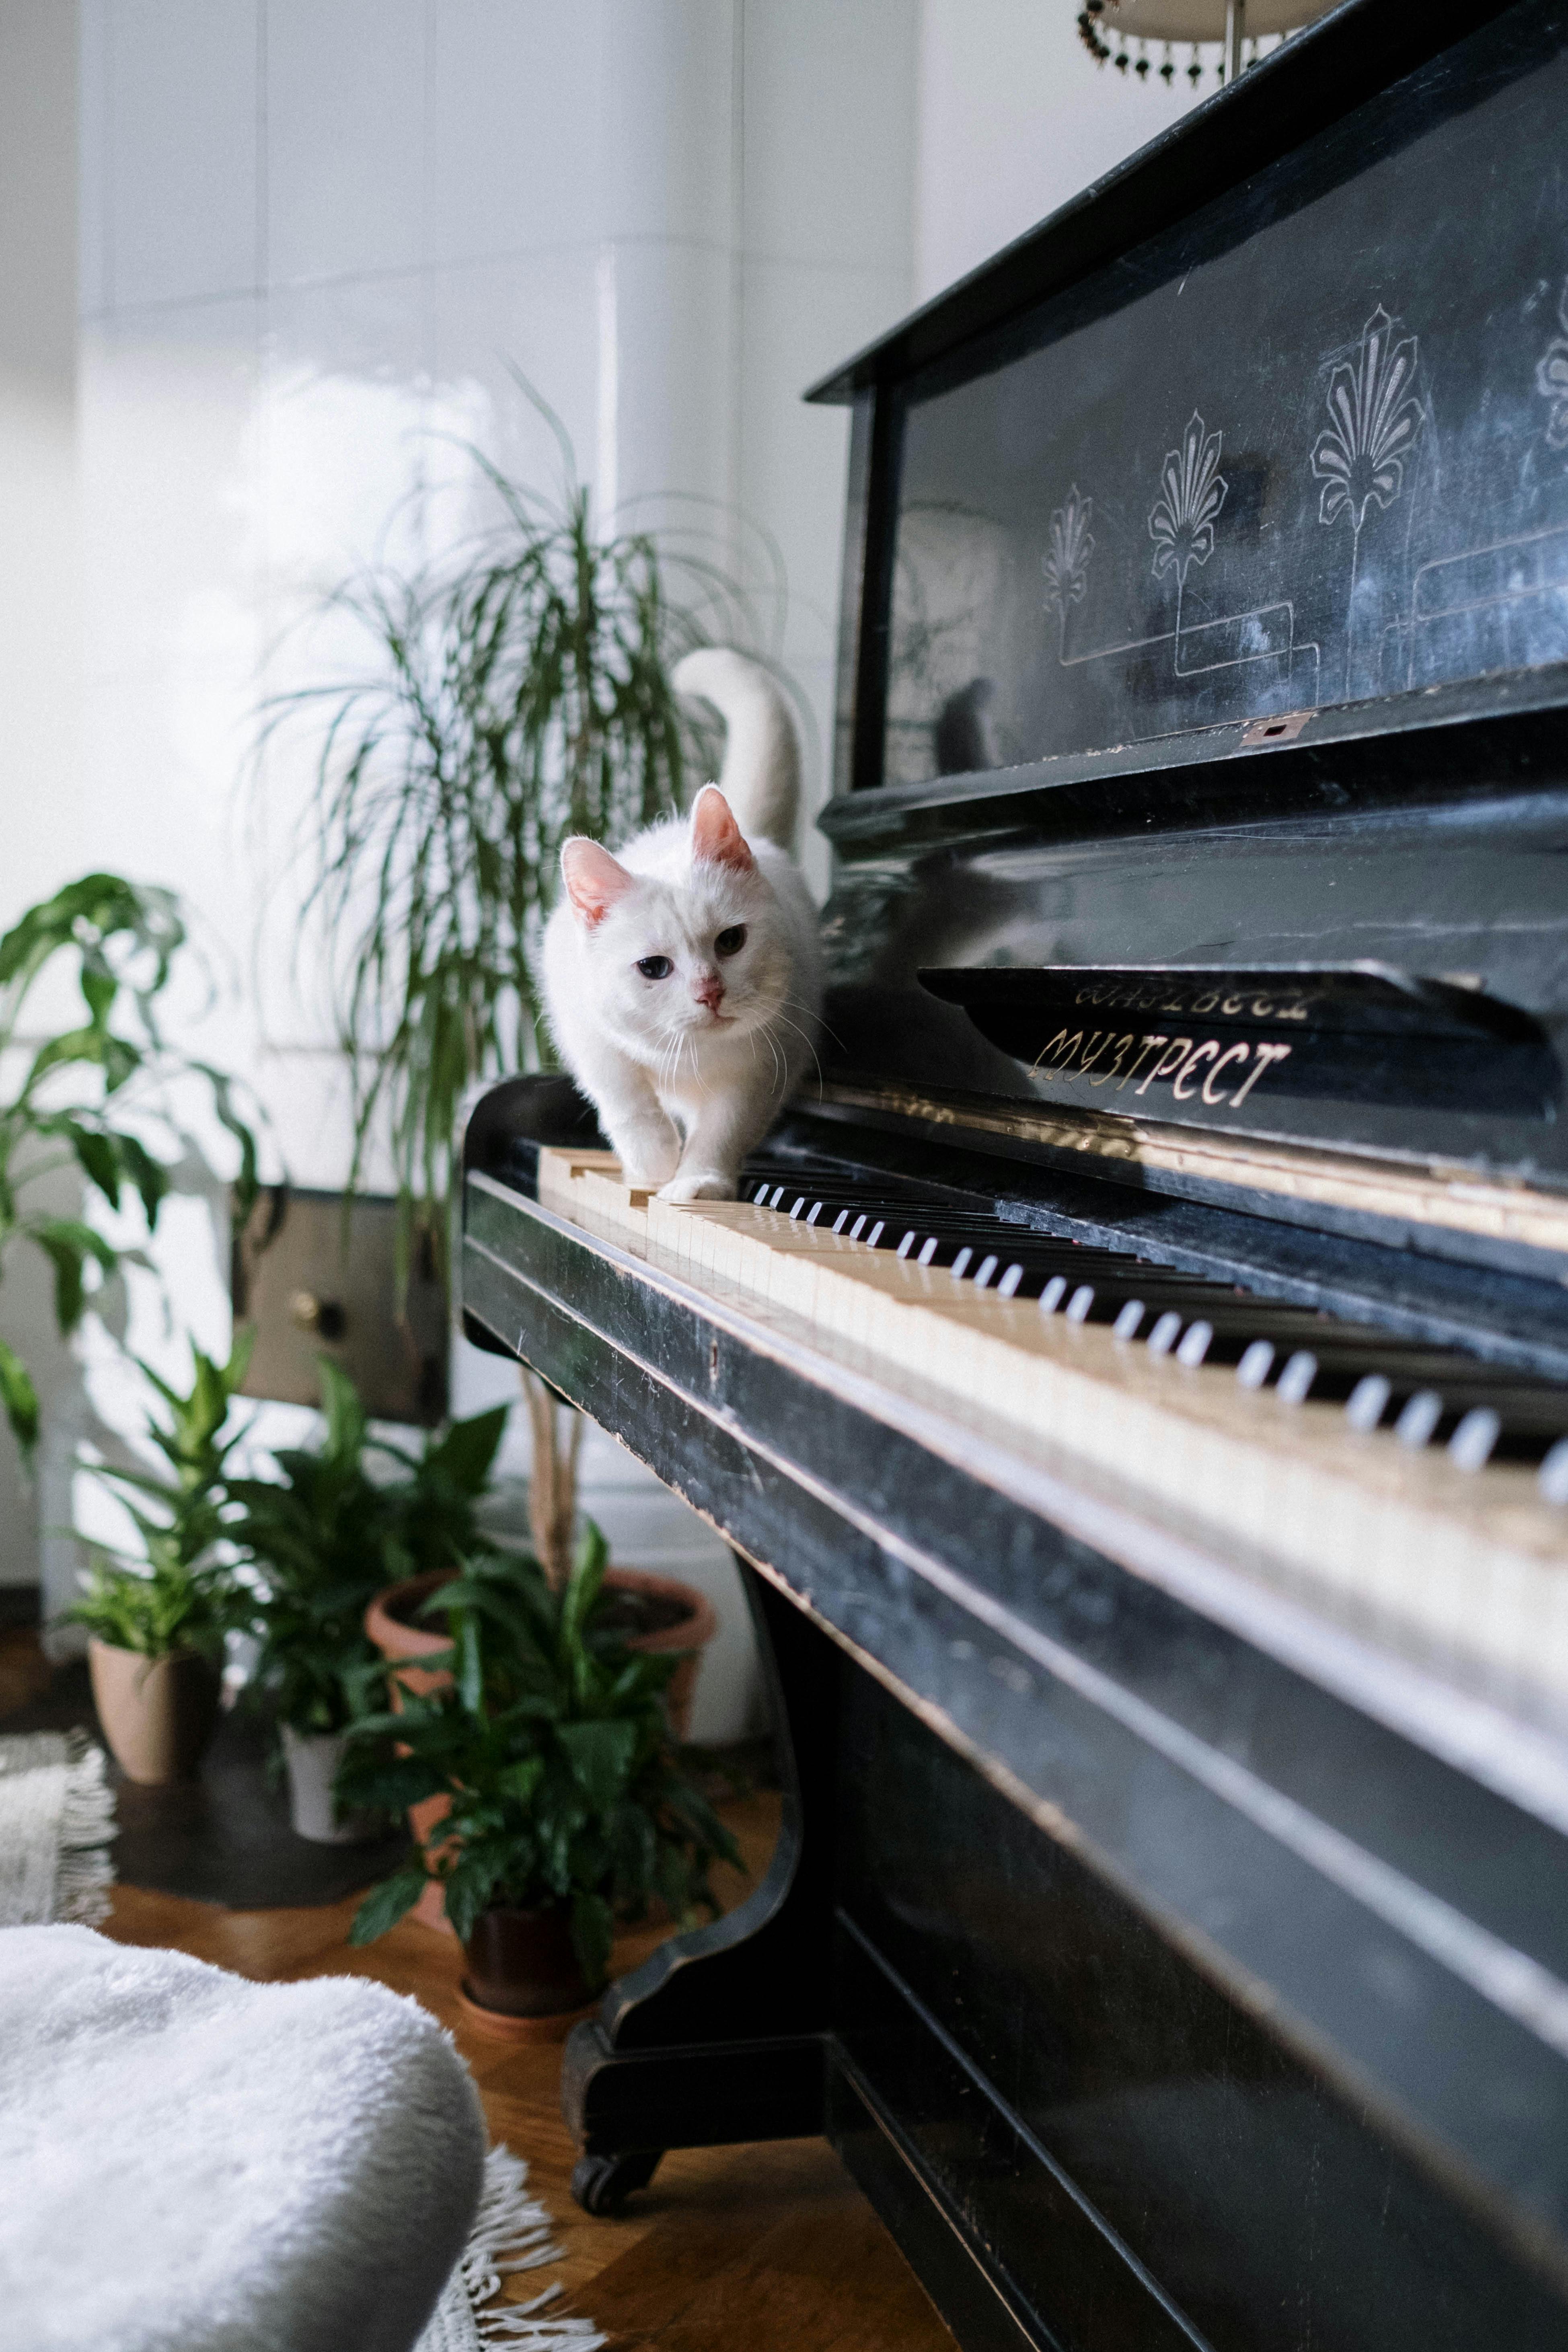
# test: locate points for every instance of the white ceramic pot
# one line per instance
(313, 1759)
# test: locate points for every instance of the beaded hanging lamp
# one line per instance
(1223, 34)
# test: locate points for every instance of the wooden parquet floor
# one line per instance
(764, 2249)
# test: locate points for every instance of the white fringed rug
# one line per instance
(57, 1819)
(512, 2232)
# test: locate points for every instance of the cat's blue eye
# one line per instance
(731, 942)
(654, 967)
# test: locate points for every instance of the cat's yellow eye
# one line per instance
(654, 967)
(731, 942)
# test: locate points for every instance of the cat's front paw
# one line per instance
(699, 1186)
(648, 1159)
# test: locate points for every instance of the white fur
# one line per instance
(760, 774)
(195, 2164)
(684, 1088)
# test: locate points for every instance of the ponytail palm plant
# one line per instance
(513, 696)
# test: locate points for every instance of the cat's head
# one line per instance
(702, 951)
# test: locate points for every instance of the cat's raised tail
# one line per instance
(761, 775)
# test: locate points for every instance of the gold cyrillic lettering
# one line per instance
(1231, 1053)
(1148, 1045)
(1204, 1052)
(1266, 1054)
(1167, 1062)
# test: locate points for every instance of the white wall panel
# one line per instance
(514, 125)
(183, 149)
(828, 119)
(1015, 118)
(346, 110)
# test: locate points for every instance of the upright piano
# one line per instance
(1136, 1373)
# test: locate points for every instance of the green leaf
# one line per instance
(583, 1588)
(465, 1452)
(19, 1398)
(470, 1663)
(97, 1156)
(593, 1935)
(470, 1887)
(345, 1416)
(70, 1247)
(521, 1780)
(390, 1787)
(601, 1756)
(385, 1905)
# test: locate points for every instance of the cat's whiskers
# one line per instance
(806, 1033)
(812, 1013)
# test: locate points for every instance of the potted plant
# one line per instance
(567, 1806)
(157, 1624)
(317, 1534)
(95, 1096)
(325, 1537)
(518, 695)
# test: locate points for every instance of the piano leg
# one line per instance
(722, 2035)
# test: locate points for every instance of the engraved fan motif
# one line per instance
(1360, 458)
(1192, 492)
(1066, 566)
(1552, 378)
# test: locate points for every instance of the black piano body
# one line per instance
(1178, 1955)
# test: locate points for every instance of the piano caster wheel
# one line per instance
(600, 2184)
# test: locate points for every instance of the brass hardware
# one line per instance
(1282, 730)
(324, 1317)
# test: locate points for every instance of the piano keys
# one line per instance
(1135, 1377)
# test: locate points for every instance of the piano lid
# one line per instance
(1272, 421)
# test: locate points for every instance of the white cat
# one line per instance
(683, 977)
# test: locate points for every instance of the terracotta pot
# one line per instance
(157, 1714)
(405, 1646)
(522, 1964)
(313, 1759)
(402, 1644)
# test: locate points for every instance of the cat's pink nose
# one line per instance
(709, 989)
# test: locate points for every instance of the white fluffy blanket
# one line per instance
(191, 2163)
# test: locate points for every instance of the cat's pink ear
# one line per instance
(716, 838)
(593, 880)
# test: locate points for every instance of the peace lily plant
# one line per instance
(568, 1806)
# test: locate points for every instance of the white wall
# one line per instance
(1015, 118)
